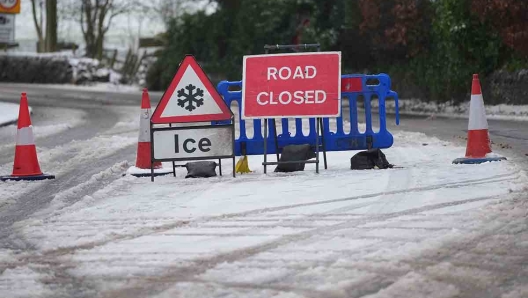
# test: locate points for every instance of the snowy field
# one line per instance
(426, 228)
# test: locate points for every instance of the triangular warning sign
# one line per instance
(191, 97)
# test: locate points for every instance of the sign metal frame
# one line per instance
(187, 125)
(319, 121)
(173, 160)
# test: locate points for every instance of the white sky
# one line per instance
(125, 28)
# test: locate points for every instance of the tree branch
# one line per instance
(37, 27)
(82, 20)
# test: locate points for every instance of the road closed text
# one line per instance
(297, 97)
(292, 85)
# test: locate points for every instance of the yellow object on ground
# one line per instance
(242, 165)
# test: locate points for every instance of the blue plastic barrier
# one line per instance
(352, 87)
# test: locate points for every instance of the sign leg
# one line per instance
(233, 139)
(151, 153)
(317, 148)
(265, 143)
(324, 145)
(234, 169)
(276, 138)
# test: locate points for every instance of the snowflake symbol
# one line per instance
(190, 98)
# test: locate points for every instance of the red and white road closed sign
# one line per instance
(298, 85)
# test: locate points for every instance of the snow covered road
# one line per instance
(426, 228)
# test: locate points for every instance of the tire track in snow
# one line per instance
(100, 117)
(97, 120)
(58, 278)
(468, 276)
(180, 223)
(36, 199)
(56, 254)
(456, 262)
(153, 285)
(84, 178)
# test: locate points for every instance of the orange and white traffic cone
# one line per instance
(143, 160)
(478, 148)
(26, 165)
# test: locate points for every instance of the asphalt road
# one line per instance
(508, 137)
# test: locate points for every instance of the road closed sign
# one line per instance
(298, 85)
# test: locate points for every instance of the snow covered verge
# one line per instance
(418, 107)
(426, 228)
(9, 113)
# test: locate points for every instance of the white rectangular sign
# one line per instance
(7, 28)
(193, 143)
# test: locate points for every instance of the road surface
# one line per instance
(102, 112)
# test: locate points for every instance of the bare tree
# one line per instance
(38, 21)
(46, 42)
(96, 18)
(51, 25)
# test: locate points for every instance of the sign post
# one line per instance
(295, 85)
(7, 28)
(192, 102)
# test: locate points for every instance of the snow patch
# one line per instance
(22, 282)
(213, 290)
(9, 113)
(493, 155)
(519, 291)
(416, 285)
(138, 171)
(62, 198)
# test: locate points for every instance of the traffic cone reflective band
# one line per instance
(26, 165)
(478, 148)
(144, 145)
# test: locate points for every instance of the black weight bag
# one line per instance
(201, 169)
(370, 159)
(295, 153)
